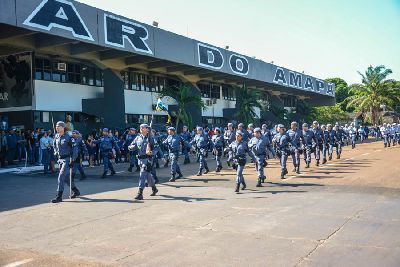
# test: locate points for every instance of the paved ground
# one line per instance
(345, 213)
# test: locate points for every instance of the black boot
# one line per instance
(263, 179)
(155, 191)
(323, 161)
(207, 170)
(228, 163)
(180, 175)
(139, 195)
(137, 169)
(308, 165)
(317, 163)
(244, 186)
(75, 193)
(172, 179)
(104, 175)
(283, 173)
(330, 157)
(259, 182)
(338, 157)
(166, 164)
(298, 168)
(112, 172)
(200, 173)
(130, 169)
(217, 169)
(58, 198)
(237, 188)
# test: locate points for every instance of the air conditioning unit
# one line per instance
(62, 66)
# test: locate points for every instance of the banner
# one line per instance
(16, 80)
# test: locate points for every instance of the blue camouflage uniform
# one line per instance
(239, 151)
(218, 146)
(309, 143)
(66, 154)
(229, 138)
(132, 154)
(282, 144)
(106, 144)
(186, 136)
(173, 143)
(319, 140)
(295, 138)
(331, 141)
(140, 144)
(259, 147)
(82, 152)
(200, 142)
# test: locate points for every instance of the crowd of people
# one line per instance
(144, 148)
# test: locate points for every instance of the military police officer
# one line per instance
(229, 137)
(200, 143)
(132, 154)
(82, 154)
(107, 144)
(295, 136)
(186, 136)
(239, 150)
(259, 145)
(309, 143)
(144, 143)
(173, 142)
(66, 154)
(281, 140)
(218, 146)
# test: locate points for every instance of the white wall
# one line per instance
(56, 96)
(140, 102)
(217, 109)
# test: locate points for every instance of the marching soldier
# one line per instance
(107, 144)
(239, 151)
(332, 140)
(229, 137)
(295, 136)
(173, 142)
(353, 135)
(259, 145)
(186, 136)
(339, 140)
(144, 143)
(386, 135)
(282, 140)
(309, 143)
(218, 146)
(319, 141)
(82, 152)
(66, 154)
(132, 155)
(200, 143)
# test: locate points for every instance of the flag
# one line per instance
(161, 106)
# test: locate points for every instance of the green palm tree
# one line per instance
(184, 98)
(246, 100)
(375, 89)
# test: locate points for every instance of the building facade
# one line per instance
(62, 57)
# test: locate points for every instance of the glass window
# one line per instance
(228, 93)
(46, 70)
(36, 116)
(45, 116)
(39, 69)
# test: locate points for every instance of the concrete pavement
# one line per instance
(345, 213)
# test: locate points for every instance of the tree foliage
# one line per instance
(247, 101)
(373, 91)
(184, 98)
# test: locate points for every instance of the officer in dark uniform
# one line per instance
(218, 146)
(319, 141)
(200, 143)
(132, 154)
(332, 140)
(309, 143)
(295, 136)
(144, 143)
(174, 142)
(186, 136)
(229, 137)
(282, 140)
(107, 144)
(82, 154)
(239, 150)
(66, 154)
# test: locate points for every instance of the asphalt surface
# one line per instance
(343, 213)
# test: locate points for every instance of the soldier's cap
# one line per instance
(264, 126)
(144, 125)
(250, 125)
(315, 122)
(218, 130)
(199, 128)
(60, 124)
(105, 129)
(171, 129)
(281, 126)
(257, 130)
(305, 125)
(185, 127)
(75, 132)
(132, 129)
(230, 124)
(240, 125)
(294, 122)
(329, 125)
(239, 133)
